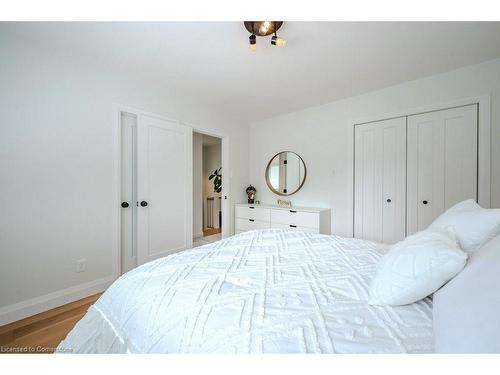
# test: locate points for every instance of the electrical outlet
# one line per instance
(81, 265)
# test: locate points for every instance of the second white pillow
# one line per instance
(416, 267)
(473, 225)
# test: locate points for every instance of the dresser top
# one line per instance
(276, 207)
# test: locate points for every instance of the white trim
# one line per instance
(188, 224)
(484, 143)
(116, 189)
(225, 206)
(30, 307)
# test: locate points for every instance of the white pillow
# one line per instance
(473, 225)
(416, 267)
(466, 311)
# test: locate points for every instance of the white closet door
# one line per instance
(380, 180)
(442, 163)
(164, 188)
(128, 192)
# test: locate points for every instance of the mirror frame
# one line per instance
(268, 182)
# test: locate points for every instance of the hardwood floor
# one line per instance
(42, 333)
(211, 231)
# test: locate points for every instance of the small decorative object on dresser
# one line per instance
(283, 203)
(251, 193)
(308, 219)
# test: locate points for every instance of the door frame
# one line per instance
(225, 165)
(484, 144)
(115, 207)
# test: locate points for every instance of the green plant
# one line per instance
(217, 176)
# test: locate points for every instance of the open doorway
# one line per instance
(207, 189)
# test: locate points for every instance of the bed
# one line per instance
(265, 291)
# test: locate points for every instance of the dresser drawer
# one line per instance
(298, 218)
(250, 224)
(253, 212)
(291, 226)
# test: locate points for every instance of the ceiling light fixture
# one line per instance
(264, 28)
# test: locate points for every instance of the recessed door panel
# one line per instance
(128, 191)
(442, 163)
(380, 179)
(164, 188)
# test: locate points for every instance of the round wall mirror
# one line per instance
(285, 173)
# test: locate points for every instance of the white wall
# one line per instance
(197, 185)
(320, 136)
(56, 169)
(211, 161)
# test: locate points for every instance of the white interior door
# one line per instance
(164, 188)
(442, 163)
(128, 191)
(380, 180)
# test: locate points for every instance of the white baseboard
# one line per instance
(23, 309)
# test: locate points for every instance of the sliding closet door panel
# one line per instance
(163, 188)
(442, 163)
(367, 223)
(425, 172)
(461, 149)
(380, 178)
(394, 181)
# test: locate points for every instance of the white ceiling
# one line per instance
(322, 62)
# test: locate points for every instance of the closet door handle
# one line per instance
(251, 220)
(144, 204)
(124, 204)
(293, 226)
(293, 211)
(425, 202)
(389, 200)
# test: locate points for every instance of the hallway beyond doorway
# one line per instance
(211, 231)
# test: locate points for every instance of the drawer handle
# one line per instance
(251, 219)
(251, 207)
(293, 226)
(293, 211)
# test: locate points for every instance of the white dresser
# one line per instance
(261, 216)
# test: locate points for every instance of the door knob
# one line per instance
(389, 200)
(144, 204)
(124, 204)
(425, 202)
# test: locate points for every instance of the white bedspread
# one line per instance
(269, 291)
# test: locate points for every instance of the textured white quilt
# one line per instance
(269, 291)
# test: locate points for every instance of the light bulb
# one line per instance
(264, 27)
(277, 41)
(253, 47)
(281, 42)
